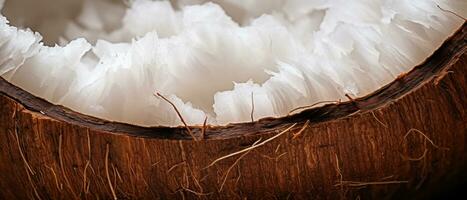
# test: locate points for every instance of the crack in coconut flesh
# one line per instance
(214, 58)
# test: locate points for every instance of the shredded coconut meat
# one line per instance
(216, 58)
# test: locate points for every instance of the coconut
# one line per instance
(88, 100)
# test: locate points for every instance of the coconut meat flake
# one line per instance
(214, 58)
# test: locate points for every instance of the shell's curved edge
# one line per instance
(451, 50)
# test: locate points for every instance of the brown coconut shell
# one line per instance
(405, 140)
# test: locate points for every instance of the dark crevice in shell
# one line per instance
(445, 56)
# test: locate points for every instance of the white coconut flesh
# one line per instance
(214, 59)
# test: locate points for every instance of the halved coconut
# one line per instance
(388, 127)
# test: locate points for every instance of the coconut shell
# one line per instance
(406, 140)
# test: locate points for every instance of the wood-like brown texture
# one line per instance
(365, 154)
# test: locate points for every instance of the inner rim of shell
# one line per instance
(281, 55)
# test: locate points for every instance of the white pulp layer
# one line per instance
(216, 58)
